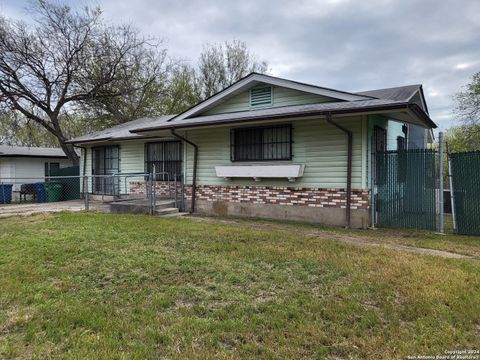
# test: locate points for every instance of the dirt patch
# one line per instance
(355, 240)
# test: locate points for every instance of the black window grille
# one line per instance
(261, 143)
(164, 159)
(105, 161)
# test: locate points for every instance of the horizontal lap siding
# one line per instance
(131, 160)
(281, 97)
(318, 145)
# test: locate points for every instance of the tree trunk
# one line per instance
(69, 150)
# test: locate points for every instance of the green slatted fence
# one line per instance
(406, 194)
(466, 187)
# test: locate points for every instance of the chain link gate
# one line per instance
(466, 189)
(406, 189)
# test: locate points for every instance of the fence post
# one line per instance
(440, 195)
(372, 184)
(452, 193)
(85, 192)
(175, 184)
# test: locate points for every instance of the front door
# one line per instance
(105, 163)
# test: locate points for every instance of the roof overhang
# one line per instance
(254, 79)
(405, 112)
(33, 156)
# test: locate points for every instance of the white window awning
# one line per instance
(257, 172)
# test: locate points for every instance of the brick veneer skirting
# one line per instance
(272, 195)
(162, 188)
(267, 195)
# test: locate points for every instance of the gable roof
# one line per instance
(293, 111)
(389, 99)
(399, 93)
(25, 151)
(253, 79)
(121, 131)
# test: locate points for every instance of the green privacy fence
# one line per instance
(70, 182)
(406, 194)
(466, 187)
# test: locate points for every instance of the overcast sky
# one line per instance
(344, 44)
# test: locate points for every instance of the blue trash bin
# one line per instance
(5, 193)
(40, 189)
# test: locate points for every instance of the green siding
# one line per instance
(281, 97)
(131, 160)
(317, 144)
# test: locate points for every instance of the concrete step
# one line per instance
(167, 211)
(177, 214)
(163, 204)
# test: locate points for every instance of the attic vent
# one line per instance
(261, 96)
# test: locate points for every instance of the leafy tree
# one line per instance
(70, 59)
(221, 65)
(16, 130)
(463, 138)
(183, 90)
(468, 101)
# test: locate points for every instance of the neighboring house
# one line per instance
(269, 147)
(24, 165)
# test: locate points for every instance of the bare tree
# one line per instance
(222, 65)
(68, 58)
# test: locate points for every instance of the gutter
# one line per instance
(398, 106)
(195, 163)
(349, 168)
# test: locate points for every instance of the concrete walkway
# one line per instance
(331, 235)
(36, 208)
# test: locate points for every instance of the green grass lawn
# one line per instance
(104, 286)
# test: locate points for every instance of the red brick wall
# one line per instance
(314, 197)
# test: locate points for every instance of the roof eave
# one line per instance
(399, 106)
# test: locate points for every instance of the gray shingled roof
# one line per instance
(122, 131)
(278, 112)
(12, 151)
(400, 93)
(381, 98)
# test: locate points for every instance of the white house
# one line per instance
(24, 165)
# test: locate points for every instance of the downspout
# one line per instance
(84, 167)
(195, 162)
(84, 157)
(349, 167)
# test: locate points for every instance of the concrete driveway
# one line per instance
(35, 208)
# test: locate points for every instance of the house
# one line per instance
(25, 165)
(269, 147)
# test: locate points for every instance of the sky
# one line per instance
(349, 45)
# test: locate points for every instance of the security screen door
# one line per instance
(105, 161)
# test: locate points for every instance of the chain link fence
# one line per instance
(157, 193)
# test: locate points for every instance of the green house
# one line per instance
(267, 147)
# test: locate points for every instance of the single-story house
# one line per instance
(269, 147)
(25, 165)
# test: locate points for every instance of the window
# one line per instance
(164, 159)
(105, 161)
(400, 143)
(261, 143)
(261, 96)
(51, 167)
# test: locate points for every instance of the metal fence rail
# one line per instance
(406, 189)
(466, 189)
(74, 192)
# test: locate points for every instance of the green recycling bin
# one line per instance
(53, 191)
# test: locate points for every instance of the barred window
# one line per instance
(261, 143)
(164, 159)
